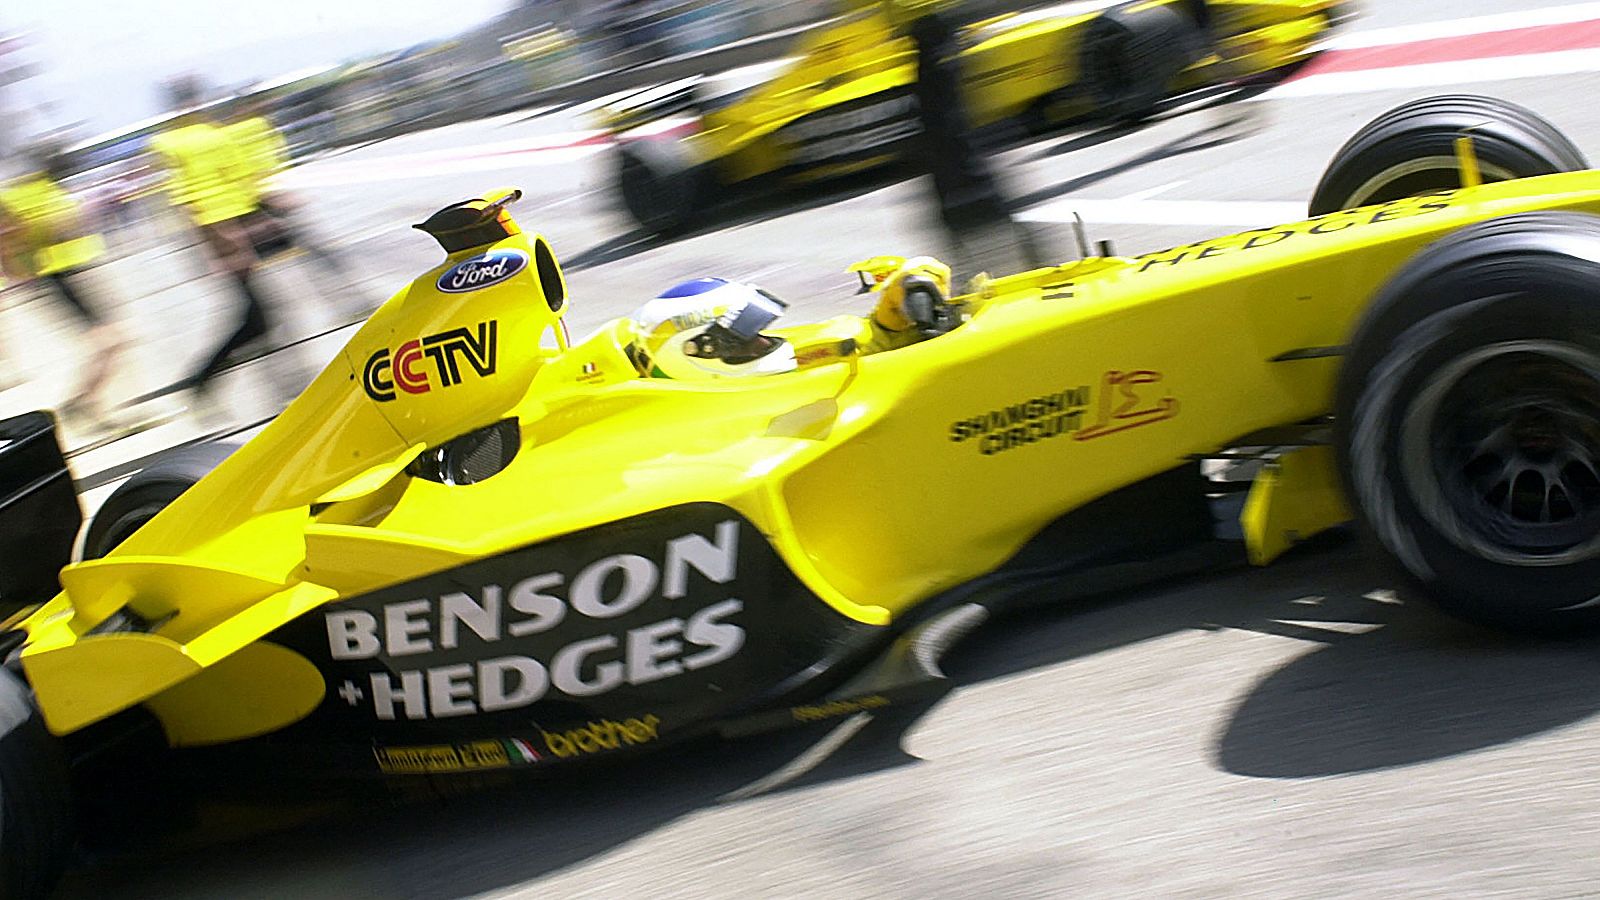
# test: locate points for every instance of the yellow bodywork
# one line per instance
(1296, 497)
(879, 480)
(1010, 66)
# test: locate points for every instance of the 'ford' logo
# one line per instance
(482, 271)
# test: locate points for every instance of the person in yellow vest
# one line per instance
(266, 153)
(264, 148)
(45, 239)
(212, 180)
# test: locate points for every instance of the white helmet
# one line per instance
(709, 327)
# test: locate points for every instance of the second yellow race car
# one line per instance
(844, 102)
(473, 545)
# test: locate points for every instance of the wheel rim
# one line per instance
(1419, 176)
(1501, 451)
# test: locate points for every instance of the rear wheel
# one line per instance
(1468, 422)
(138, 500)
(35, 797)
(1131, 55)
(1411, 150)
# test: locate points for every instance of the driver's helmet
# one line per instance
(709, 327)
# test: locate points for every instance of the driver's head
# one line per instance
(709, 327)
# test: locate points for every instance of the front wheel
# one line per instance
(1411, 150)
(1468, 422)
(35, 798)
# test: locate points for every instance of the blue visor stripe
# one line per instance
(694, 288)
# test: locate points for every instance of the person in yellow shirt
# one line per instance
(265, 151)
(265, 154)
(45, 239)
(216, 185)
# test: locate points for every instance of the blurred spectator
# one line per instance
(265, 153)
(46, 239)
(213, 182)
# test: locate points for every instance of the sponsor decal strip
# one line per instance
(405, 370)
(503, 753)
(445, 758)
(1256, 214)
(1124, 400)
(1240, 213)
(484, 270)
(1332, 223)
(597, 737)
(834, 709)
(488, 614)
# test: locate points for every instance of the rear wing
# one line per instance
(39, 513)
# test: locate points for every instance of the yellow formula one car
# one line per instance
(844, 101)
(472, 545)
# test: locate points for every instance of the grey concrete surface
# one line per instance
(1295, 731)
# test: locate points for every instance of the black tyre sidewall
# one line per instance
(1505, 137)
(142, 496)
(1128, 59)
(35, 797)
(1412, 333)
(114, 525)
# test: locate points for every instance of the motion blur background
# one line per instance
(375, 67)
(1290, 732)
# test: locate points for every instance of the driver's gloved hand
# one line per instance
(915, 299)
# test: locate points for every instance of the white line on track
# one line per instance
(1473, 25)
(1467, 71)
(1225, 213)
(1147, 193)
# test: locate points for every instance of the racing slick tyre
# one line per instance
(35, 797)
(1467, 422)
(137, 500)
(1131, 54)
(1410, 150)
(661, 186)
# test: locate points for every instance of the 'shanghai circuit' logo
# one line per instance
(478, 272)
(417, 366)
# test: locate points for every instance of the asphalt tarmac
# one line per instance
(1294, 731)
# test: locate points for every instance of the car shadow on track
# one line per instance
(1382, 683)
(468, 842)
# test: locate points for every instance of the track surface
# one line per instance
(1287, 732)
